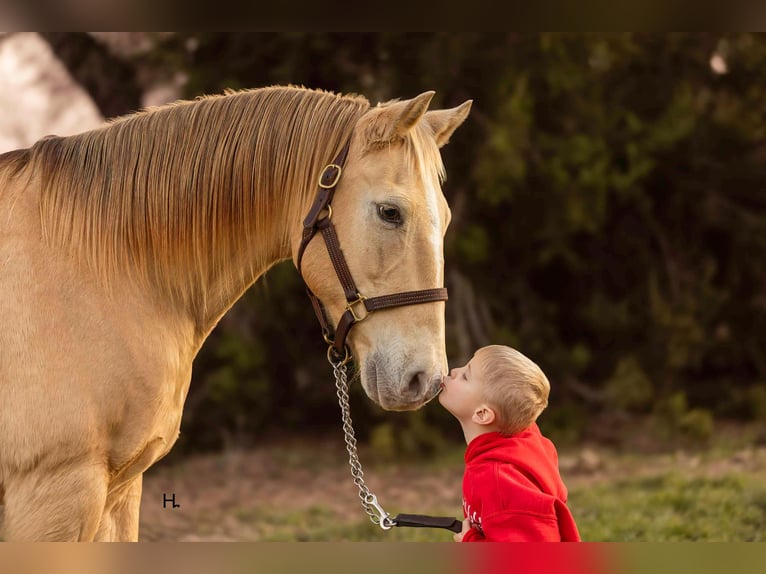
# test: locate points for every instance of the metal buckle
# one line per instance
(350, 307)
(335, 180)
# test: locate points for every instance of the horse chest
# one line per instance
(144, 408)
(148, 430)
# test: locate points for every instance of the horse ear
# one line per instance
(444, 122)
(397, 118)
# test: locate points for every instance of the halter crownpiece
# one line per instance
(358, 306)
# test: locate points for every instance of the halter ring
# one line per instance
(334, 360)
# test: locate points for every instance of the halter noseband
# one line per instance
(358, 307)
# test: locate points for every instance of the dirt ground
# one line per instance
(249, 495)
(230, 496)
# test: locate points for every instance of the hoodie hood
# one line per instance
(530, 453)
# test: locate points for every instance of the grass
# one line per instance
(661, 508)
(673, 508)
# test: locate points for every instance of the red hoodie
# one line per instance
(512, 490)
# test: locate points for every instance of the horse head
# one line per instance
(391, 217)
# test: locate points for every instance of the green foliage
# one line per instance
(697, 424)
(383, 441)
(672, 408)
(677, 420)
(408, 438)
(474, 245)
(756, 399)
(629, 387)
(564, 424)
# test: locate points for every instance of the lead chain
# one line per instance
(369, 500)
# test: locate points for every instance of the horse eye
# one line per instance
(389, 214)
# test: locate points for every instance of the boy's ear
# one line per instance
(483, 415)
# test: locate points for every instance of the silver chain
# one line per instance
(369, 500)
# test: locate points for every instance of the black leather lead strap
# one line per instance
(423, 521)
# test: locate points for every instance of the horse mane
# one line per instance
(183, 186)
(173, 195)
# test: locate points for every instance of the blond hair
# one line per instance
(514, 385)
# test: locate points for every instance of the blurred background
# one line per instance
(609, 221)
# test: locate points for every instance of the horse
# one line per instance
(122, 247)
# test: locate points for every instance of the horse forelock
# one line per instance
(175, 194)
(424, 154)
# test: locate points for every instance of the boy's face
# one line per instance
(462, 390)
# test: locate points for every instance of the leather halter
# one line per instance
(358, 307)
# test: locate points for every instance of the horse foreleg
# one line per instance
(61, 504)
(119, 522)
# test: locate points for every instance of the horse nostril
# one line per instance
(417, 385)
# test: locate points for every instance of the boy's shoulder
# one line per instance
(525, 447)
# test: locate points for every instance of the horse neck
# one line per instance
(281, 220)
(223, 289)
(267, 244)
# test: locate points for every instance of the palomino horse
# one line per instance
(121, 248)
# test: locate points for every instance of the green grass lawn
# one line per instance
(673, 508)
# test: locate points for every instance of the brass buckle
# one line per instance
(334, 181)
(350, 307)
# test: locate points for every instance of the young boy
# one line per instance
(512, 490)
